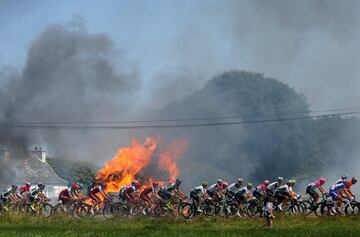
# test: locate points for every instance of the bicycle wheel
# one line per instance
(59, 210)
(119, 210)
(326, 210)
(13, 208)
(294, 209)
(356, 209)
(188, 211)
(82, 210)
(46, 210)
(253, 211)
(209, 209)
(107, 213)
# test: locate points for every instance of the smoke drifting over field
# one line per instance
(72, 74)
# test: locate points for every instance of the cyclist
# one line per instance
(198, 193)
(166, 193)
(95, 190)
(284, 192)
(311, 190)
(271, 188)
(6, 195)
(146, 192)
(216, 189)
(234, 188)
(75, 192)
(349, 184)
(259, 191)
(23, 191)
(337, 195)
(36, 195)
(65, 197)
(128, 192)
(244, 193)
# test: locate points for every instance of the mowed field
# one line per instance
(283, 226)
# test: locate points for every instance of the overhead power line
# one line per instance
(181, 119)
(176, 125)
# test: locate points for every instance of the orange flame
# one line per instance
(168, 158)
(128, 162)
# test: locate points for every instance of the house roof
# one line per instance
(31, 169)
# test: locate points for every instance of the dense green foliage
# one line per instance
(73, 171)
(296, 148)
(295, 226)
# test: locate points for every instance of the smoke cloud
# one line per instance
(70, 75)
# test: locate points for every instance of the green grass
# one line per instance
(283, 226)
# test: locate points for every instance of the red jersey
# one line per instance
(24, 189)
(263, 187)
(64, 193)
(146, 191)
(95, 189)
(349, 184)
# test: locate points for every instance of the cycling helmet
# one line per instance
(41, 186)
(225, 184)
(171, 183)
(13, 187)
(28, 184)
(220, 181)
(240, 181)
(249, 186)
(280, 179)
(135, 183)
(292, 182)
(75, 186)
(155, 184)
(322, 181)
(267, 182)
(344, 177)
(204, 184)
(178, 182)
(353, 180)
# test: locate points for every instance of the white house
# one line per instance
(31, 167)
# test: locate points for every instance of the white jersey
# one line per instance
(272, 187)
(199, 189)
(244, 190)
(213, 188)
(234, 188)
(285, 188)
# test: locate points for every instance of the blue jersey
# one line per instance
(337, 187)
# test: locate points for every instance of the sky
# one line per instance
(311, 45)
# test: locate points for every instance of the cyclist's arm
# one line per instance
(348, 192)
(105, 194)
(42, 195)
(81, 196)
(180, 194)
(248, 195)
(322, 190)
(206, 195)
(292, 195)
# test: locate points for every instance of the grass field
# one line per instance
(283, 226)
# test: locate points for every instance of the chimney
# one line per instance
(40, 153)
